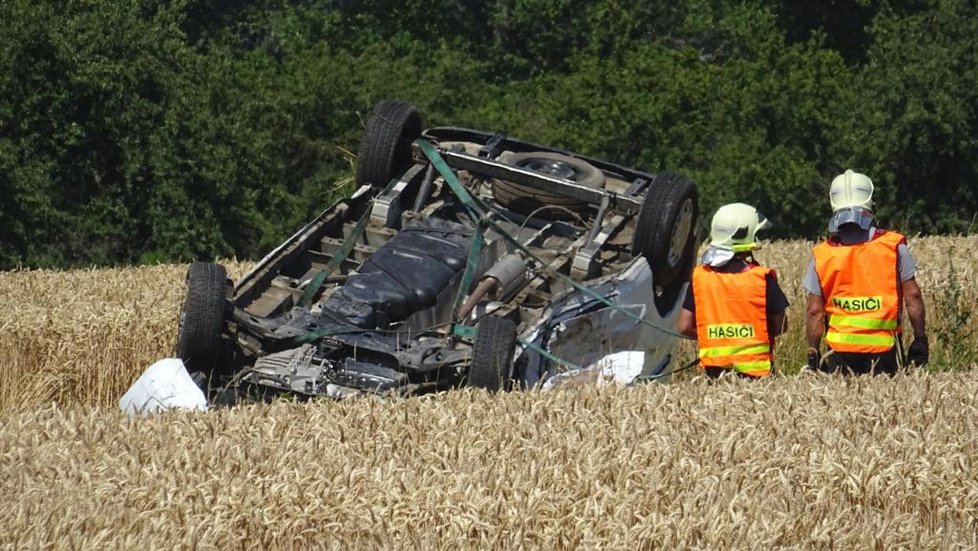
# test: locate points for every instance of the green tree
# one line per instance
(913, 124)
(140, 131)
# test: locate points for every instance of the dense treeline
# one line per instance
(137, 131)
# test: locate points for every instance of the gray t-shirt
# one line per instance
(851, 235)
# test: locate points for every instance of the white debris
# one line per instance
(619, 368)
(164, 385)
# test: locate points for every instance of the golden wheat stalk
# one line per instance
(799, 461)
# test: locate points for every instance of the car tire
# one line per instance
(525, 199)
(492, 354)
(665, 232)
(201, 325)
(386, 146)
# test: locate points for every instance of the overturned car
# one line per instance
(462, 258)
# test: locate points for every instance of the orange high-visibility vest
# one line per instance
(860, 285)
(731, 319)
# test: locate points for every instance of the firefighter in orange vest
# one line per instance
(857, 283)
(734, 307)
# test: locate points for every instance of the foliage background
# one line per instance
(135, 131)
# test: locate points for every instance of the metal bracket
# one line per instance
(637, 187)
(386, 211)
(585, 264)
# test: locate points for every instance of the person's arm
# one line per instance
(687, 323)
(815, 330)
(777, 304)
(919, 351)
(777, 324)
(815, 321)
(814, 315)
(914, 300)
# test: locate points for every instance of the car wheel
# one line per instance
(492, 354)
(665, 233)
(525, 198)
(201, 322)
(386, 146)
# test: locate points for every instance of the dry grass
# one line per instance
(805, 462)
(83, 336)
(811, 462)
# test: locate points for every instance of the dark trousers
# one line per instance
(853, 363)
(715, 372)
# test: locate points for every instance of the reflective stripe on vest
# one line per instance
(731, 319)
(860, 285)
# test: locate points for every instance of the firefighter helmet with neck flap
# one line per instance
(851, 195)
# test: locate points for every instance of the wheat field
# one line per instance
(797, 461)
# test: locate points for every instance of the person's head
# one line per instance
(733, 232)
(851, 195)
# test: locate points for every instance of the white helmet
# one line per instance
(733, 230)
(851, 195)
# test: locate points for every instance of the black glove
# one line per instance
(919, 352)
(814, 358)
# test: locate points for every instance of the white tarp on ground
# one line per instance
(164, 385)
(619, 368)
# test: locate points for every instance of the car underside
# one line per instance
(463, 257)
